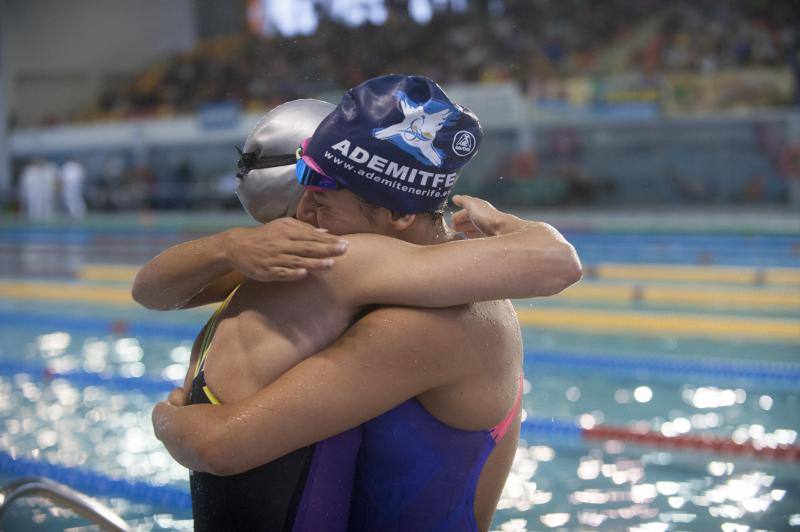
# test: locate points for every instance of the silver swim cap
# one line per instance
(266, 184)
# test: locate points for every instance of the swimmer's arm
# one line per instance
(187, 275)
(515, 259)
(206, 270)
(363, 374)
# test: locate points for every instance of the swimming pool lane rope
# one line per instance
(533, 429)
(753, 371)
(97, 484)
(773, 374)
(703, 443)
(545, 430)
(558, 429)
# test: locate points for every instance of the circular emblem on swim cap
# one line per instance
(464, 143)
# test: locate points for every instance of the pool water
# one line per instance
(78, 380)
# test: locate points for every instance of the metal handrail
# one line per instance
(81, 504)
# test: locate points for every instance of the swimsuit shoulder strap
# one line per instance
(499, 430)
(211, 328)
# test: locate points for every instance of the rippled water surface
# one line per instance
(69, 398)
(557, 480)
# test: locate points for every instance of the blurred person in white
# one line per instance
(38, 189)
(72, 177)
(47, 205)
(28, 182)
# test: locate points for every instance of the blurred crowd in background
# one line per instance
(615, 102)
(526, 42)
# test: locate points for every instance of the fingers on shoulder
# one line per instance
(465, 201)
(278, 273)
(297, 230)
(461, 216)
(308, 262)
(461, 200)
(317, 249)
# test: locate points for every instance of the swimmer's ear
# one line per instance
(401, 222)
(305, 211)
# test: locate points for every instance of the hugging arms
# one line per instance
(516, 259)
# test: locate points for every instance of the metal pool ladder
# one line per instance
(64, 496)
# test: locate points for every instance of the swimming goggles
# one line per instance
(250, 161)
(310, 175)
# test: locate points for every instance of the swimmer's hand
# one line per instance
(478, 218)
(206, 270)
(183, 429)
(163, 409)
(177, 397)
(281, 250)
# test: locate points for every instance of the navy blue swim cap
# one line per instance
(398, 142)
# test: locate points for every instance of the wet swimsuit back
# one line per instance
(415, 473)
(306, 490)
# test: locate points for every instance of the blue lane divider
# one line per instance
(59, 235)
(768, 372)
(771, 373)
(85, 378)
(91, 324)
(553, 431)
(754, 371)
(98, 484)
(775, 372)
(175, 498)
(550, 426)
(756, 250)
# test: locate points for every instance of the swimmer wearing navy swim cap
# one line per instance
(407, 413)
(397, 141)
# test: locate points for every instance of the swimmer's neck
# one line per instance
(426, 231)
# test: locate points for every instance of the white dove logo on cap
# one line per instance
(416, 133)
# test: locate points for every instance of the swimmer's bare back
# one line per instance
(266, 329)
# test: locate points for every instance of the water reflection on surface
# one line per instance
(614, 485)
(555, 482)
(618, 493)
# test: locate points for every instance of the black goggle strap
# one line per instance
(250, 161)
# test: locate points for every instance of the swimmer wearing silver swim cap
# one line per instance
(266, 184)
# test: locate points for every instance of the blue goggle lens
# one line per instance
(308, 177)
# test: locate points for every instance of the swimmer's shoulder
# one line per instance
(284, 297)
(493, 326)
(433, 330)
(362, 246)
(489, 313)
(469, 343)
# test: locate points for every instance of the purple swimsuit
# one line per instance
(413, 472)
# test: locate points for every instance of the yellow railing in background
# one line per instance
(710, 274)
(662, 324)
(574, 317)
